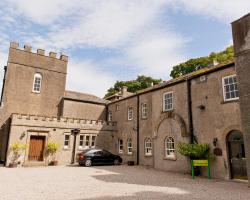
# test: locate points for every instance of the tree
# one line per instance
(141, 82)
(202, 62)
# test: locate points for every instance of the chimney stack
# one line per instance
(124, 90)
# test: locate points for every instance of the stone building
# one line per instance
(36, 109)
(144, 127)
(241, 39)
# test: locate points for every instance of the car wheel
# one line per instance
(116, 162)
(88, 163)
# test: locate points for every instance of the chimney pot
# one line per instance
(124, 90)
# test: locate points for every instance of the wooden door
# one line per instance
(237, 155)
(36, 148)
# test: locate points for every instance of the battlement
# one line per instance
(41, 52)
(63, 122)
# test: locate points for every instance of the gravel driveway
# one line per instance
(113, 183)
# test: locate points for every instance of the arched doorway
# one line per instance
(236, 154)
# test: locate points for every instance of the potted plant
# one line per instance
(16, 150)
(52, 148)
(196, 152)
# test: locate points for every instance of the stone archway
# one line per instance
(174, 116)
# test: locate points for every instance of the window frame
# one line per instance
(164, 99)
(224, 85)
(129, 148)
(120, 150)
(130, 118)
(110, 116)
(68, 141)
(37, 75)
(144, 110)
(172, 150)
(83, 141)
(93, 136)
(146, 148)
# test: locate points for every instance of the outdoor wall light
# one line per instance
(215, 140)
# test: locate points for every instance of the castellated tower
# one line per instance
(34, 83)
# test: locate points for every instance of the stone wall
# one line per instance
(54, 129)
(84, 110)
(241, 39)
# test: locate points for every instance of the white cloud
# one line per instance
(225, 11)
(138, 29)
(84, 76)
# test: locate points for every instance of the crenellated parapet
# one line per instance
(61, 122)
(41, 52)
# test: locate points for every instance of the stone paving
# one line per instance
(112, 183)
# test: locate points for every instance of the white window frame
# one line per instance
(81, 146)
(165, 99)
(130, 113)
(117, 107)
(66, 140)
(224, 90)
(129, 146)
(169, 147)
(144, 110)
(36, 88)
(120, 146)
(93, 141)
(148, 148)
(110, 116)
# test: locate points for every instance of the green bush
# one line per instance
(16, 149)
(195, 151)
(52, 147)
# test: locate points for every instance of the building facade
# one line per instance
(145, 127)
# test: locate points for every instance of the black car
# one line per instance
(97, 157)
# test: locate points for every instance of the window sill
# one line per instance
(170, 158)
(66, 148)
(230, 101)
(34, 92)
(149, 155)
(129, 154)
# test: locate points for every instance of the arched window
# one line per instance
(130, 148)
(148, 147)
(37, 83)
(169, 147)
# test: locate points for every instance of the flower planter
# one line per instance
(53, 163)
(13, 165)
(131, 163)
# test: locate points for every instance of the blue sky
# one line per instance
(109, 40)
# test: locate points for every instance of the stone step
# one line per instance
(34, 164)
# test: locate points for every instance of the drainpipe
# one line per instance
(138, 130)
(190, 113)
(5, 70)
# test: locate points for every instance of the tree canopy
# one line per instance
(141, 82)
(202, 62)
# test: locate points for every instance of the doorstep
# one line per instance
(34, 164)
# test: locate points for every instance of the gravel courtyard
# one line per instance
(112, 183)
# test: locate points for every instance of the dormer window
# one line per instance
(37, 83)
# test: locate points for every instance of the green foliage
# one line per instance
(16, 149)
(202, 62)
(140, 83)
(195, 151)
(52, 147)
(17, 146)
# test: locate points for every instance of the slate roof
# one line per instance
(191, 75)
(77, 96)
